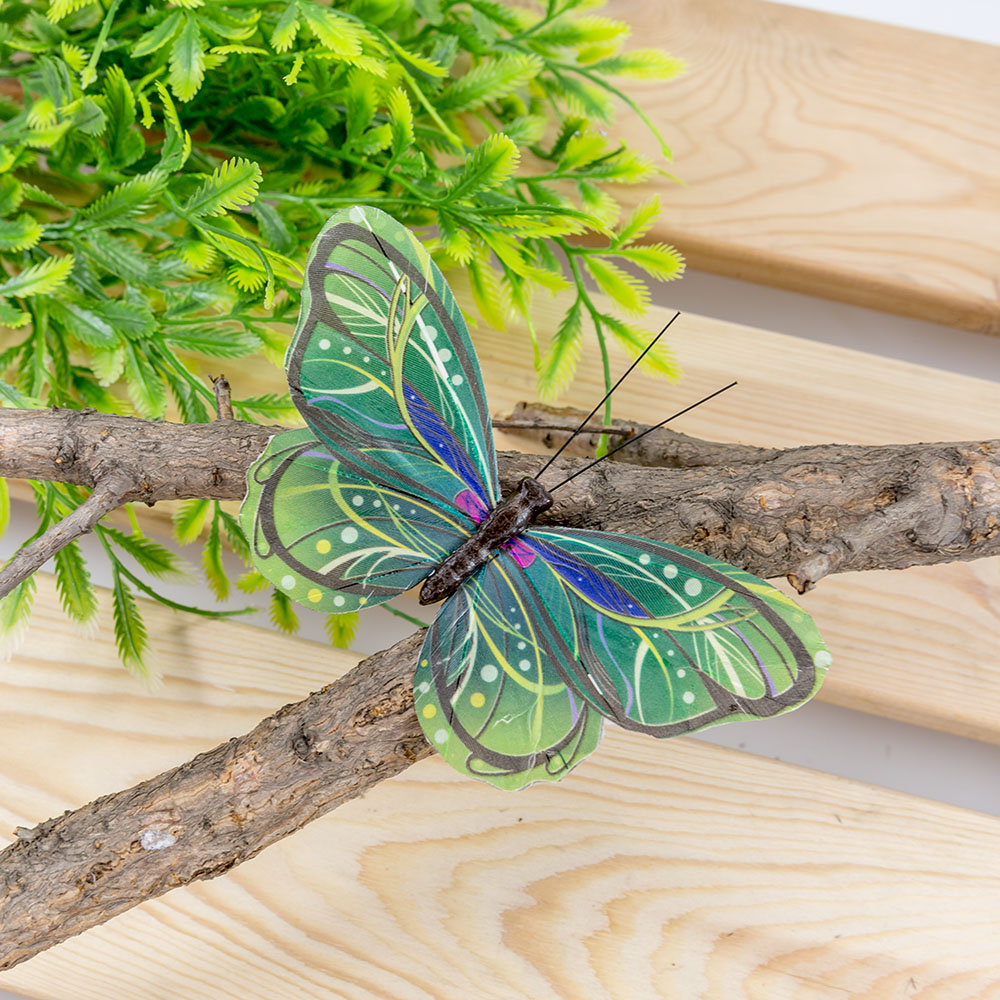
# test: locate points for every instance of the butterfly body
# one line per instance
(544, 632)
(499, 528)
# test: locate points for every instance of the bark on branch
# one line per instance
(803, 510)
(108, 494)
(212, 813)
(800, 511)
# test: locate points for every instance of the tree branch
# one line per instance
(205, 817)
(769, 512)
(848, 507)
(223, 397)
(108, 495)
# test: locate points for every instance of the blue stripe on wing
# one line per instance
(592, 583)
(444, 442)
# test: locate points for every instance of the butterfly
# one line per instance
(545, 631)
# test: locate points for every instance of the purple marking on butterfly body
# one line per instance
(498, 530)
(470, 504)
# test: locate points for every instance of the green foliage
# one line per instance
(73, 583)
(282, 613)
(341, 629)
(130, 630)
(15, 610)
(131, 251)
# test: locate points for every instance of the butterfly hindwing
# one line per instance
(381, 365)
(490, 687)
(336, 542)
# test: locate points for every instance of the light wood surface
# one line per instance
(690, 872)
(660, 870)
(828, 155)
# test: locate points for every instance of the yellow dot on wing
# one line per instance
(423, 663)
(315, 595)
(323, 546)
(429, 711)
(477, 700)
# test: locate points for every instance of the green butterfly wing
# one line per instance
(336, 542)
(490, 688)
(398, 462)
(568, 626)
(668, 640)
(381, 365)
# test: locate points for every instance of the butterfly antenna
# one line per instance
(648, 430)
(583, 423)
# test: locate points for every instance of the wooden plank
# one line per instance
(658, 870)
(828, 155)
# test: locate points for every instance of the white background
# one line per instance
(870, 748)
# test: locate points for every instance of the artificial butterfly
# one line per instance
(555, 629)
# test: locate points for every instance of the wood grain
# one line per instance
(661, 870)
(828, 155)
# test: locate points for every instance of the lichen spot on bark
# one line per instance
(156, 840)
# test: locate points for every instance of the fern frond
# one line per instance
(559, 362)
(487, 166)
(491, 80)
(627, 290)
(125, 201)
(341, 629)
(400, 121)
(19, 233)
(233, 184)
(659, 260)
(129, 628)
(39, 279)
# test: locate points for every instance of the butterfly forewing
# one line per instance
(381, 365)
(670, 640)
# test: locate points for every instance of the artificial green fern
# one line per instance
(164, 167)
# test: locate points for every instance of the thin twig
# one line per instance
(550, 426)
(223, 397)
(109, 494)
(567, 426)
